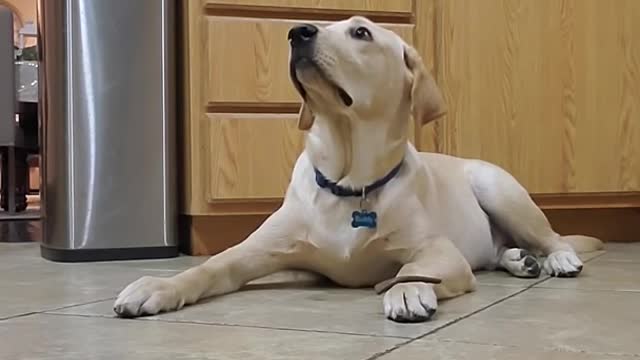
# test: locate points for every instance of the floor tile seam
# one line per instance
(51, 310)
(587, 290)
(65, 307)
(547, 349)
(452, 322)
(548, 277)
(603, 253)
(614, 261)
(16, 316)
(457, 320)
(205, 323)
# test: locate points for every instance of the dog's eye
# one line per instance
(361, 33)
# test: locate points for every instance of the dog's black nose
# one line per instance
(302, 34)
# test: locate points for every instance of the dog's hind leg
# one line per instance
(511, 208)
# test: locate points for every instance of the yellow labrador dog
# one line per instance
(363, 205)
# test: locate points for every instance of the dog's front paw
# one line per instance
(410, 302)
(563, 264)
(148, 296)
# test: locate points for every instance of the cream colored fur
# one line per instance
(440, 216)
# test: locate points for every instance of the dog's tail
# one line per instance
(582, 243)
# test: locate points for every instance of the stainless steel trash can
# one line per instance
(107, 100)
(7, 84)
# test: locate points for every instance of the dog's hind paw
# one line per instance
(520, 263)
(563, 264)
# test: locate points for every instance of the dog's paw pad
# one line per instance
(531, 266)
(520, 263)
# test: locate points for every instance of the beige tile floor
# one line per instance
(63, 311)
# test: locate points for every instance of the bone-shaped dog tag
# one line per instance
(364, 218)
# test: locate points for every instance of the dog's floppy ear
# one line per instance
(305, 117)
(426, 98)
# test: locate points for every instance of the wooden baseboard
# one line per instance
(608, 200)
(209, 235)
(610, 225)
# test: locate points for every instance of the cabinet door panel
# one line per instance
(251, 155)
(248, 60)
(363, 5)
(547, 89)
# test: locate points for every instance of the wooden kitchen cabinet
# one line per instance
(400, 6)
(240, 139)
(547, 89)
(249, 61)
(251, 156)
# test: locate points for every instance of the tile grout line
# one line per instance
(10, 317)
(553, 349)
(588, 290)
(464, 317)
(74, 305)
(375, 356)
(604, 252)
(202, 323)
(454, 321)
(45, 311)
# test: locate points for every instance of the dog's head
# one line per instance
(358, 67)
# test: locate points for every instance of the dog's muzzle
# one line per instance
(302, 35)
(302, 40)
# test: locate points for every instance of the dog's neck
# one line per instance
(356, 153)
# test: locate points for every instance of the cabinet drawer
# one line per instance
(354, 5)
(251, 156)
(248, 60)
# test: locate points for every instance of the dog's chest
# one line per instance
(341, 241)
(349, 256)
(352, 261)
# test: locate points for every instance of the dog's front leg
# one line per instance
(418, 301)
(271, 248)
